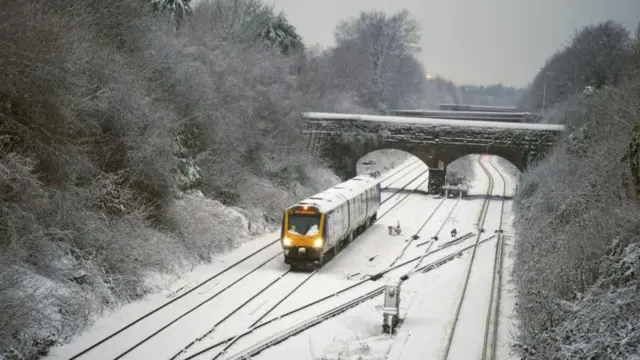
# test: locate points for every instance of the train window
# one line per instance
(304, 224)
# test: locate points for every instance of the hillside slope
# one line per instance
(578, 214)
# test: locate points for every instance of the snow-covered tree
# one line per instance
(596, 56)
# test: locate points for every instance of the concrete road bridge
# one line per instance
(344, 138)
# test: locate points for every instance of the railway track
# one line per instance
(490, 342)
(435, 236)
(226, 344)
(311, 320)
(281, 299)
(172, 301)
(405, 196)
(491, 319)
(412, 165)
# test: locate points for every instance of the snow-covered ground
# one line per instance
(131, 312)
(428, 299)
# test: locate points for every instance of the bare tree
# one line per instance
(381, 44)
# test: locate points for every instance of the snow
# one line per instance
(428, 314)
(427, 304)
(435, 122)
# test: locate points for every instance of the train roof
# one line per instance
(335, 196)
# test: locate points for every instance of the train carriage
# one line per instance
(317, 228)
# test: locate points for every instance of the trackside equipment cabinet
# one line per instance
(391, 308)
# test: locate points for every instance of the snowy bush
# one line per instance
(206, 226)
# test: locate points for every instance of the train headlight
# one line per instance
(317, 243)
(286, 241)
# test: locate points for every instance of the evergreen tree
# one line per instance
(281, 34)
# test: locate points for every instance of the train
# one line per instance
(315, 229)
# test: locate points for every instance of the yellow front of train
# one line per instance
(302, 235)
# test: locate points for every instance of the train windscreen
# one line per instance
(304, 224)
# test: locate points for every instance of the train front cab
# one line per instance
(302, 237)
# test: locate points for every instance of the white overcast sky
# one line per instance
(472, 41)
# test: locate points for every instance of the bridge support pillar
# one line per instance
(436, 180)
